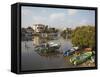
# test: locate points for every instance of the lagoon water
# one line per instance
(31, 60)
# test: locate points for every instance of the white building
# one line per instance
(38, 27)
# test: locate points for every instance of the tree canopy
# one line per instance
(84, 36)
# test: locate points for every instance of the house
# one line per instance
(27, 33)
(23, 33)
(38, 28)
(30, 31)
(53, 35)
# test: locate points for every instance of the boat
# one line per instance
(78, 59)
(47, 47)
(76, 48)
(40, 47)
(69, 52)
(54, 45)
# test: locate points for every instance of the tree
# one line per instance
(64, 34)
(84, 37)
(69, 31)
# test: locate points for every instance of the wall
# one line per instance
(5, 42)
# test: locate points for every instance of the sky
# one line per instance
(56, 17)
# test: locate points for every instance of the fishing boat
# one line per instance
(76, 48)
(47, 47)
(78, 59)
(40, 47)
(54, 45)
(69, 52)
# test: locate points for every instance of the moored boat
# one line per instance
(47, 47)
(78, 59)
(69, 52)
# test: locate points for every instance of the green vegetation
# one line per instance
(66, 33)
(84, 37)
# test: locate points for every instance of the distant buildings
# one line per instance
(30, 31)
(27, 33)
(38, 28)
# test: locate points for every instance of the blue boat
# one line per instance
(69, 52)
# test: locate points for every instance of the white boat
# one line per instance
(48, 46)
(76, 48)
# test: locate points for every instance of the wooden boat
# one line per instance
(47, 47)
(81, 58)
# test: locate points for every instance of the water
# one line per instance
(31, 60)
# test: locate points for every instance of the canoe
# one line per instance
(81, 58)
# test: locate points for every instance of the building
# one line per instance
(30, 31)
(27, 33)
(38, 28)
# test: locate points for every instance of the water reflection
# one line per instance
(49, 55)
(38, 40)
(33, 60)
(45, 45)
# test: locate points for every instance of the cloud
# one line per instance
(26, 12)
(84, 22)
(39, 19)
(59, 16)
(72, 11)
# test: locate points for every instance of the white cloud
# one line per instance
(72, 11)
(26, 12)
(83, 22)
(59, 16)
(39, 19)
